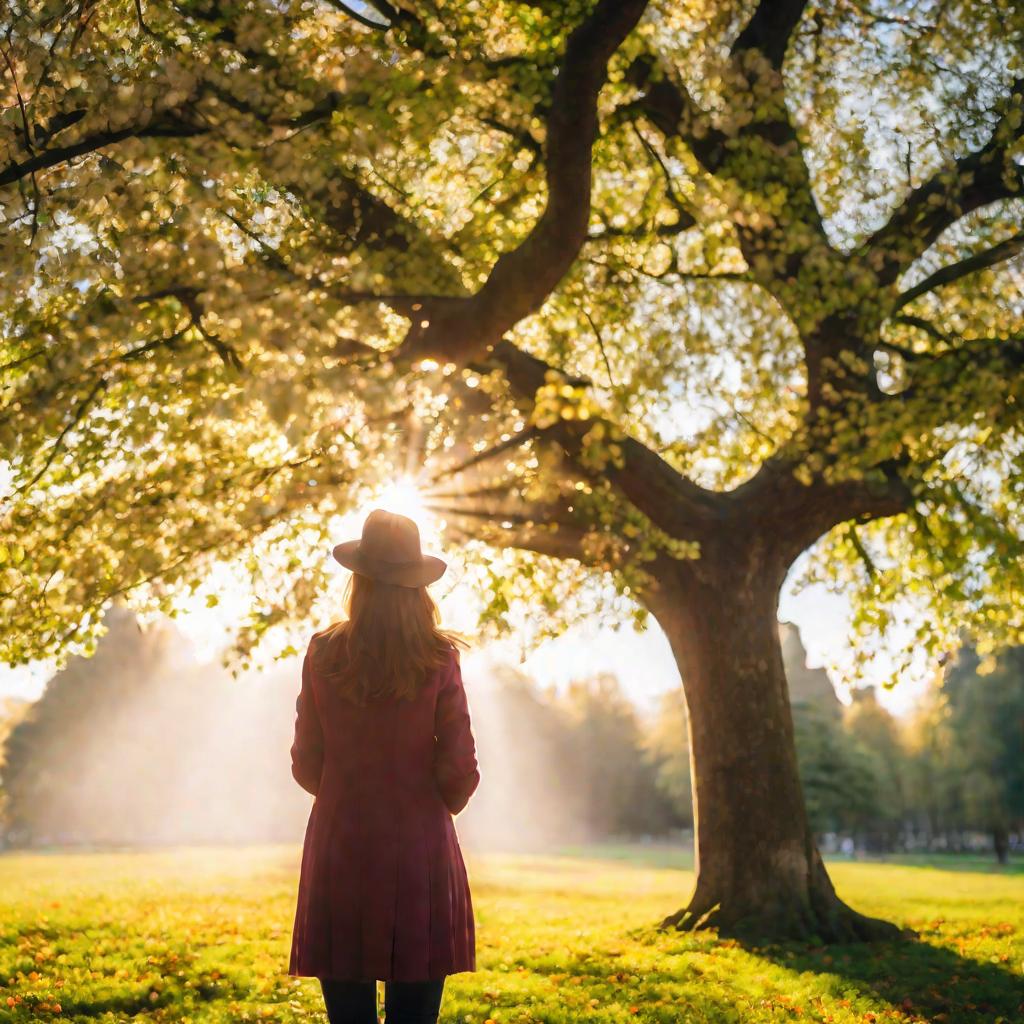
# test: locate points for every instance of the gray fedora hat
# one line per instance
(389, 552)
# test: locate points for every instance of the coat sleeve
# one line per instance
(308, 747)
(455, 765)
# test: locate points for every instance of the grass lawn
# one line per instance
(203, 934)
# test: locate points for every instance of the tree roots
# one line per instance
(822, 919)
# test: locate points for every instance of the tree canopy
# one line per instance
(611, 271)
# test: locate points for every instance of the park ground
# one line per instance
(201, 935)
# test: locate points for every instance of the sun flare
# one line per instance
(404, 497)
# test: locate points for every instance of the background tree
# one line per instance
(877, 737)
(668, 747)
(840, 777)
(841, 790)
(12, 710)
(619, 782)
(130, 746)
(531, 793)
(54, 776)
(673, 292)
(973, 745)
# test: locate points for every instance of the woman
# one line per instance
(383, 741)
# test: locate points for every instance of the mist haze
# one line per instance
(145, 744)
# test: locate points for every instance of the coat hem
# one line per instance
(295, 973)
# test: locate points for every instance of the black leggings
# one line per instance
(405, 1002)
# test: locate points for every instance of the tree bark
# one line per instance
(759, 872)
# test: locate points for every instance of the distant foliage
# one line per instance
(968, 750)
(562, 768)
(140, 743)
(530, 793)
(619, 780)
(841, 786)
(669, 748)
(949, 776)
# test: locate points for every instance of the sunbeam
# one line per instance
(404, 496)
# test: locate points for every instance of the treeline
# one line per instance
(948, 777)
(563, 768)
(140, 744)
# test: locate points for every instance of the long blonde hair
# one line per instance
(388, 644)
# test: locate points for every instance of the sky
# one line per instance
(642, 661)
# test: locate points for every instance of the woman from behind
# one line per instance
(383, 741)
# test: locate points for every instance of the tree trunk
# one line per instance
(759, 873)
(1001, 842)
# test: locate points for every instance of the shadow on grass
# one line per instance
(923, 980)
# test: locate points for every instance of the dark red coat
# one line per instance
(383, 892)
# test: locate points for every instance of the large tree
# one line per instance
(660, 293)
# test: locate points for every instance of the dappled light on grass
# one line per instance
(201, 935)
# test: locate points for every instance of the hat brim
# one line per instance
(421, 573)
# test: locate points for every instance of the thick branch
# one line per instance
(671, 108)
(756, 148)
(1005, 250)
(668, 105)
(677, 505)
(922, 325)
(43, 159)
(563, 542)
(770, 29)
(522, 279)
(958, 187)
(776, 504)
(551, 528)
